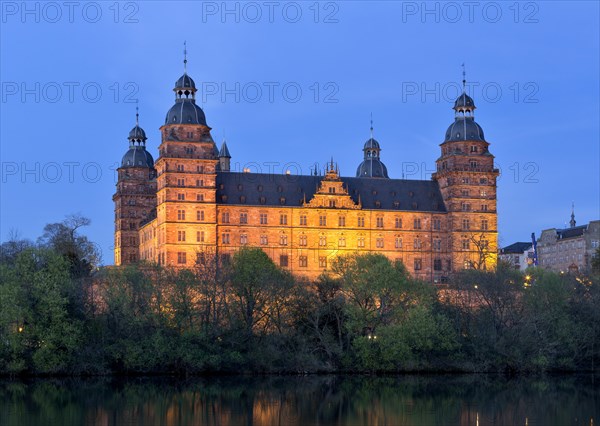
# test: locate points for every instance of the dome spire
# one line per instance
(137, 114)
(185, 57)
(572, 222)
(464, 80)
(371, 125)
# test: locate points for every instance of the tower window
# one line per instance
(437, 244)
(437, 264)
(465, 224)
(263, 218)
(180, 214)
(200, 197)
(437, 224)
(181, 257)
(474, 148)
(225, 238)
(417, 243)
(181, 236)
(398, 223)
(225, 217)
(264, 240)
(417, 224)
(484, 225)
(243, 218)
(181, 196)
(200, 236)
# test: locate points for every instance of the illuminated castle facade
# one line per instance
(189, 204)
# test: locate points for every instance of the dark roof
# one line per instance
(372, 168)
(517, 248)
(371, 143)
(292, 190)
(137, 133)
(464, 100)
(464, 129)
(185, 82)
(137, 156)
(185, 111)
(224, 152)
(573, 232)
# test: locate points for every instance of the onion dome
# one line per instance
(137, 156)
(372, 166)
(185, 110)
(464, 129)
(463, 101)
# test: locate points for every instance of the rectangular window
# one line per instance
(200, 169)
(361, 222)
(437, 224)
(398, 243)
(302, 220)
(398, 223)
(322, 220)
(465, 224)
(417, 224)
(264, 240)
(181, 196)
(380, 222)
(484, 208)
(225, 238)
(181, 257)
(283, 240)
(418, 264)
(322, 262)
(332, 203)
(243, 218)
(379, 243)
(322, 241)
(473, 164)
(180, 214)
(199, 182)
(465, 244)
(283, 260)
(199, 236)
(180, 182)
(417, 244)
(199, 197)
(361, 242)
(303, 241)
(437, 245)
(473, 148)
(180, 168)
(437, 264)
(303, 261)
(181, 236)
(263, 218)
(465, 207)
(243, 239)
(283, 219)
(342, 242)
(200, 215)
(484, 225)
(225, 217)
(342, 221)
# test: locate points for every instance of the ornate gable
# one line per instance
(332, 193)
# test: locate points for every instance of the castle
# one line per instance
(189, 203)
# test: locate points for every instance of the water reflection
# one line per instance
(406, 400)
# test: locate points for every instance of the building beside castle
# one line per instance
(570, 249)
(189, 203)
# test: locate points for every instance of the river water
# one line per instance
(312, 400)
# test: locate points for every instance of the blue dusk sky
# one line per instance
(291, 84)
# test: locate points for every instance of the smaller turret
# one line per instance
(224, 157)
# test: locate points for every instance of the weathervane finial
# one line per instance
(137, 113)
(371, 125)
(185, 57)
(464, 73)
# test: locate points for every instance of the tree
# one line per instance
(64, 237)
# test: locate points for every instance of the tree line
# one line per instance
(61, 314)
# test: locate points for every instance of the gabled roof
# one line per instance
(294, 190)
(515, 248)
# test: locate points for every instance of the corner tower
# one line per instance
(466, 176)
(186, 175)
(135, 198)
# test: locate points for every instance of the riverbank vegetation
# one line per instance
(59, 314)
